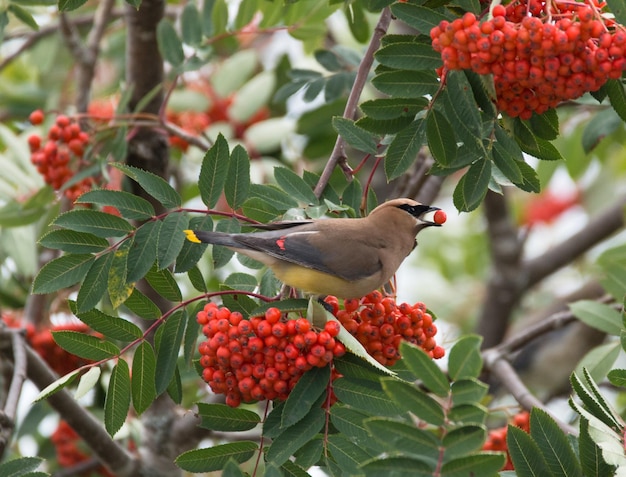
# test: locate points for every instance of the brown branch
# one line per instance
(600, 227)
(504, 282)
(8, 414)
(108, 452)
(338, 155)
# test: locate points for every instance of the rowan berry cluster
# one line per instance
(66, 442)
(44, 345)
(264, 357)
(496, 441)
(540, 52)
(380, 325)
(58, 158)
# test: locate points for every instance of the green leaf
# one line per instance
(143, 388)
(530, 179)
(191, 253)
(216, 457)
(463, 113)
(441, 138)
(468, 413)
(617, 377)
(74, 242)
(57, 385)
(390, 108)
(295, 437)
(191, 25)
(545, 125)
(119, 287)
(463, 440)
(112, 327)
(534, 145)
(599, 361)
(348, 455)
(294, 185)
(18, 467)
(465, 360)
(525, 454)
(553, 445)
(421, 18)
(142, 306)
(87, 382)
(477, 464)
(117, 402)
(424, 368)
(397, 436)
(304, 395)
(355, 136)
(95, 283)
(591, 398)
(69, 5)
(223, 418)
(406, 84)
(472, 188)
(591, 459)
(169, 43)
(168, 349)
(365, 395)
(222, 255)
(62, 272)
(154, 185)
(350, 423)
(409, 56)
(274, 196)
(94, 222)
(237, 186)
(397, 466)
(171, 238)
(214, 171)
(407, 396)
(598, 315)
(143, 251)
(615, 88)
(164, 283)
(130, 205)
(468, 391)
(403, 150)
(85, 346)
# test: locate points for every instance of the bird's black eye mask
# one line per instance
(419, 210)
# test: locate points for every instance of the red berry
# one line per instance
(36, 117)
(439, 217)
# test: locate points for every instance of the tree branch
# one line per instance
(338, 155)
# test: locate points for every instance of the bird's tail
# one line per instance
(215, 238)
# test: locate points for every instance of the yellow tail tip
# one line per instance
(191, 236)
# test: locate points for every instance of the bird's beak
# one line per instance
(427, 217)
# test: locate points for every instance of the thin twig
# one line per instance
(338, 155)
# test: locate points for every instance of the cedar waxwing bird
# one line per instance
(348, 258)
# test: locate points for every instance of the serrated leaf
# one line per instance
(164, 283)
(441, 138)
(62, 272)
(274, 196)
(85, 346)
(599, 360)
(216, 457)
(598, 315)
(18, 467)
(87, 382)
(545, 125)
(468, 391)
(143, 388)
(355, 136)
(615, 88)
(397, 436)
(534, 145)
(143, 251)
(191, 253)
(348, 455)
(462, 112)
(130, 205)
(295, 437)
(94, 222)
(112, 327)
(223, 418)
(94, 285)
(525, 454)
(171, 238)
(222, 255)
(142, 306)
(419, 17)
(406, 84)
(464, 360)
(397, 466)
(350, 423)
(117, 402)
(424, 368)
(237, 184)
(119, 287)
(484, 463)
(367, 396)
(409, 56)
(553, 445)
(591, 459)
(70, 241)
(473, 186)
(168, 349)
(69, 5)
(463, 440)
(294, 185)
(592, 399)
(154, 185)
(214, 171)
(170, 45)
(56, 386)
(406, 396)
(403, 150)
(390, 108)
(304, 395)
